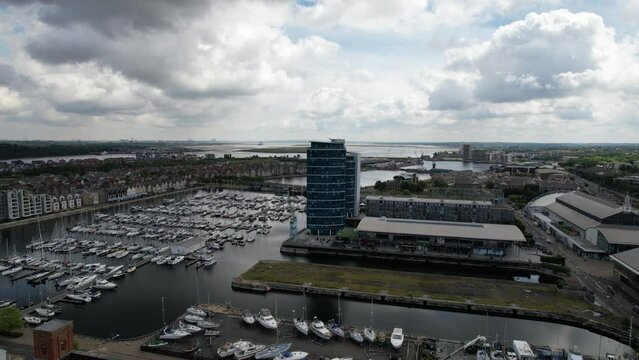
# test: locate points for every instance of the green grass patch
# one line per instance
(544, 297)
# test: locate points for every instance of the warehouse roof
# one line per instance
(628, 259)
(423, 200)
(594, 206)
(445, 229)
(619, 234)
(573, 217)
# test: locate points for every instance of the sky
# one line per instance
(365, 70)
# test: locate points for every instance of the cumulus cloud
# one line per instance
(10, 101)
(326, 102)
(544, 55)
(369, 70)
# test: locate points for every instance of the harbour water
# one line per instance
(134, 309)
(452, 165)
(367, 178)
(241, 150)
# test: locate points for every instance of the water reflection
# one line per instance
(135, 307)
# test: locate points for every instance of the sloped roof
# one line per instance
(597, 207)
(573, 217)
(619, 234)
(628, 259)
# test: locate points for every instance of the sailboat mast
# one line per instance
(163, 321)
(339, 309)
(304, 302)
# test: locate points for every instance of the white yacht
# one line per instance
(44, 312)
(229, 349)
(293, 355)
(369, 334)
(86, 281)
(318, 328)
(248, 317)
(301, 325)
(12, 271)
(79, 297)
(193, 318)
(104, 285)
(32, 320)
(397, 338)
(195, 311)
(55, 275)
(190, 328)
(248, 351)
(207, 324)
(334, 328)
(173, 334)
(356, 336)
(267, 320)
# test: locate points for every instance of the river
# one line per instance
(134, 308)
(250, 149)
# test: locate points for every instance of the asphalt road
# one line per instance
(595, 275)
(17, 351)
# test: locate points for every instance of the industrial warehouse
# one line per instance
(592, 227)
(440, 236)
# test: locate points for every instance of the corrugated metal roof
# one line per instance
(445, 229)
(629, 259)
(619, 234)
(592, 205)
(571, 216)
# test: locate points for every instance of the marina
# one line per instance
(138, 293)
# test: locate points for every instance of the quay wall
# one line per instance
(596, 327)
(290, 248)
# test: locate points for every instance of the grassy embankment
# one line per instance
(541, 297)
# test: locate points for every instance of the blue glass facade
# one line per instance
(329, 183)
(351, 189)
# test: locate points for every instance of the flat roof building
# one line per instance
(53, 340)
(490, 239)
(438, 209)
(443, 229)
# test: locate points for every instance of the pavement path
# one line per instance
(595, 275)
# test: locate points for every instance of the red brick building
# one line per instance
(53, 340)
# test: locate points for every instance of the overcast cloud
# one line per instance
(405, 70)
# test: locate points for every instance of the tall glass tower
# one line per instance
(332, 186)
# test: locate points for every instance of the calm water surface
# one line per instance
(134, 308)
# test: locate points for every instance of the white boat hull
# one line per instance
(301, 326)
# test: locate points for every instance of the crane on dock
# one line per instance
(478, 340)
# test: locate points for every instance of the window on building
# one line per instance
(43, 349)
(63, 346)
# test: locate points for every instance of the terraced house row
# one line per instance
(18, 204)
